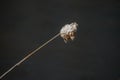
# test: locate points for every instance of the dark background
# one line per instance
(93, 55)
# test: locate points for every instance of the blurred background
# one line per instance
(93, 55)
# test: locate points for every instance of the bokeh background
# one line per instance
(93, 55)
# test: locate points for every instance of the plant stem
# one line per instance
(30, 54)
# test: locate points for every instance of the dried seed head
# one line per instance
(68, 31)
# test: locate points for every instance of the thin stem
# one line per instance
(30, 54)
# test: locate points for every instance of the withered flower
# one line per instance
(68, 31)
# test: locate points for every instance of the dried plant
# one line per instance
(67, 33)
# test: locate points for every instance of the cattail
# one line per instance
(67, 33)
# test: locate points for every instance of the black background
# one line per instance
(93, 55)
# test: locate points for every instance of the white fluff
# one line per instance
(68, 31)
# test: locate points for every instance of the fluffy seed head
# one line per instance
(68, 31)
